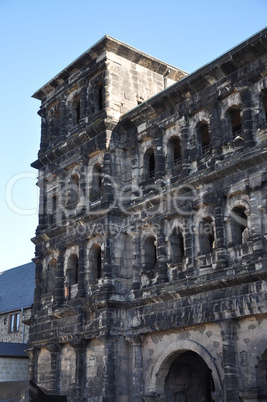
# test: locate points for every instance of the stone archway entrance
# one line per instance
(189, 379)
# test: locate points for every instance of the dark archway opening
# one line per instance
(189, 379)
(262, 377)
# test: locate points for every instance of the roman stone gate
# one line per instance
(184, 373)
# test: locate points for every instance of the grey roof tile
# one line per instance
(17, 287)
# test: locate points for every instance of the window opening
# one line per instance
(98, 262)
(150, 253)
(54, 200)
(78, 112)
(206, 236)
(14, 322)
(177, 245)
(73, 190)
(51, 276)
(175, 150)
(239, 225)
(95, 264)
(72, 269)
(236, 122)
(204, 138)
(149, 164)
(100, 97)
(97, 177)
(152, 165)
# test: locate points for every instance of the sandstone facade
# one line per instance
(151, 245)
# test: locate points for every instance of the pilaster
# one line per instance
(230, 366)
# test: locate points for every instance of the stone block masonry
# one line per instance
(151, 259)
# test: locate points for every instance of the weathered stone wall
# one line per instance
(131, 84)
(153, 230)
(13, 369)
(20, 336)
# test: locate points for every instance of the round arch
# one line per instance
(169, 354)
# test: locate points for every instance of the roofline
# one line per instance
(107, 43)
(208, 67)
(15, 309)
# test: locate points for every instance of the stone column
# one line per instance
(38, 285)
(107, 184)
(44, 129)
(80, 375)
(256, 221)
(189, 245)
(215, 130)
(107, 266)
(246, 116)
(162, 258)
(59, 286)
(32, 369)
(42, 214)
(84, 186)
(82, 268)
(109, 386)
(229, 359)
(136, 263)
(185, 147)
(137, 368)
(159, 158)
(220, 238)
(54, 350)
(62, 120)
(83, 99)
(69, 116)
(135, 172)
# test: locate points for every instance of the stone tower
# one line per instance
(151, 245)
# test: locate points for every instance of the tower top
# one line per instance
(96, 53)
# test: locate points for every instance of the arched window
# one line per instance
(95, 192)
(204, 138)
(77, 111)
(95, 264)
(235, 120)
(176, 245)
(51, 276)
(97, 177)
(263, 108)
(73, 190)
(149, 164)
(54, 121)
(206, 236)
(150, 253)
(99, 101)
(239, 226)
(72, 270)
(54, 206)
(174, 152)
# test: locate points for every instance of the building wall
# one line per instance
(153, 231)
(22, 334)
(13, 369)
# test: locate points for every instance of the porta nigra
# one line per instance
(151, 247)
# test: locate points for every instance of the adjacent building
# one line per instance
(151, 244)
(16, 301)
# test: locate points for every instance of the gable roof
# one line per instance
(17, 287)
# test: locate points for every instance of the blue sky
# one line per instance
(40, 38)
